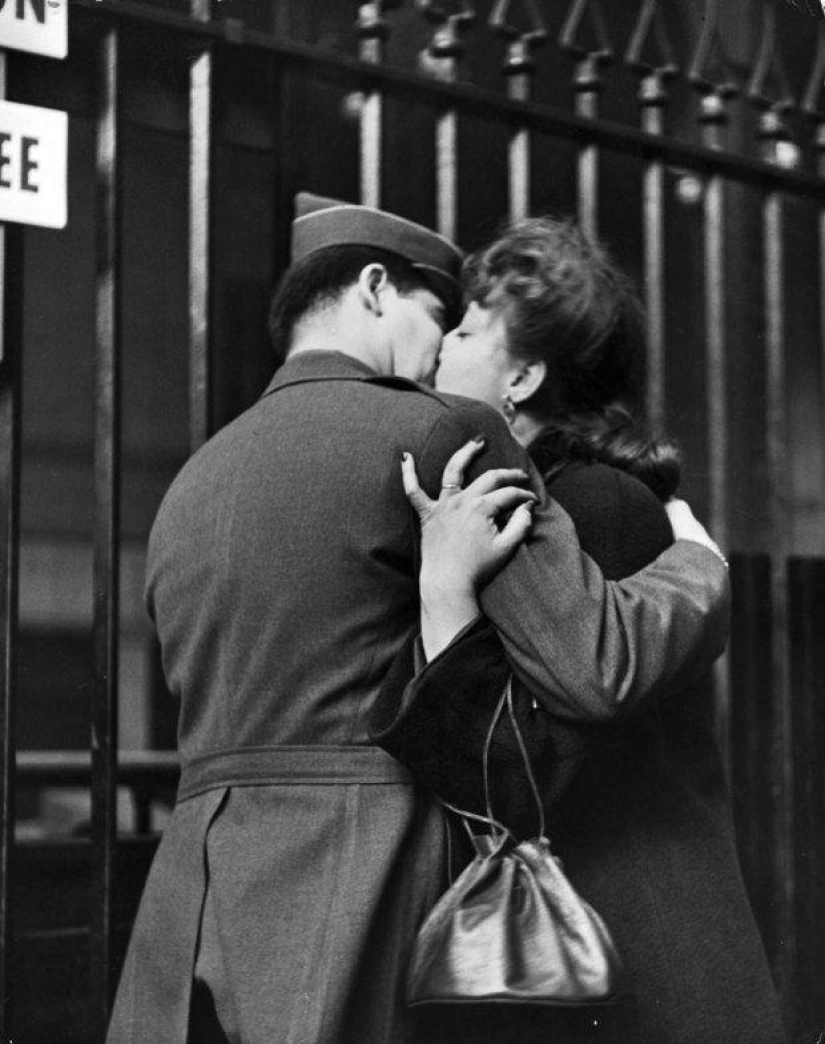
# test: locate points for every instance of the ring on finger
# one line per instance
(450, 485)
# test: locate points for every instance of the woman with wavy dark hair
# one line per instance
(635, 796)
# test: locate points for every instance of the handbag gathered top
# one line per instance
(511, 928)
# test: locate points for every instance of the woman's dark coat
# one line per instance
(638, 813)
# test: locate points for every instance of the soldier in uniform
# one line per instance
(300, 859)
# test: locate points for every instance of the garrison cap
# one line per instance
(321, 222)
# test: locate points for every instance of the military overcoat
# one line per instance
(282, 582)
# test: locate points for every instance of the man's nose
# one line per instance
(447, 339)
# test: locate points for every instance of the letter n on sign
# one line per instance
(33, 152)
(39, 26)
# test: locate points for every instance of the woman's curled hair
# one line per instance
(567, 304)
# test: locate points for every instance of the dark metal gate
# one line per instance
(692, 155)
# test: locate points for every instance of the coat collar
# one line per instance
(313, 365)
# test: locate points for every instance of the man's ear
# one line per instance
(525, 380)
(372, 282)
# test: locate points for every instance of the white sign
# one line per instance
(33, 152)
(40, 26)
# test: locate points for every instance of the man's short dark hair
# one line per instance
(321, 278)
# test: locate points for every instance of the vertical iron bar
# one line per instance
(714, 117)
(777, 461)
(106, 537)
(518, 87)
(713, 120)
(10, 405)
(652, 99)
(446, 173)
(588, 83)
(371, 29)
(820, 166)
(444, 52)
(200, 198)
(806, 616)
(441, 59)
(518, 68)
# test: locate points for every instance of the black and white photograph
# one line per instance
(412, 521)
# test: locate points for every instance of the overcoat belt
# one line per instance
(375, 846)
(296, 764)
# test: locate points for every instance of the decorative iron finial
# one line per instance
(815, 8)
(650, 34)
(811, 106)
(366, 107)
(570, 35)
(812, 97)
(446, 41)
(768, 86)
(710, 72)
(521, 41)
(768, 90)
(371, 24)
(587, 81)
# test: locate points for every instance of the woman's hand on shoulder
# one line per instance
(462, 545)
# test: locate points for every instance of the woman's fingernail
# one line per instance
(480, 439)
(405, 457)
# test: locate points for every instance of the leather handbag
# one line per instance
(511, 928)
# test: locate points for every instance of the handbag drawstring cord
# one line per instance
(499, 830)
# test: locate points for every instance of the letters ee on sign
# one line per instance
(33, 149)
(39, 26)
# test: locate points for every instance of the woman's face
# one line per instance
(474, 360)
